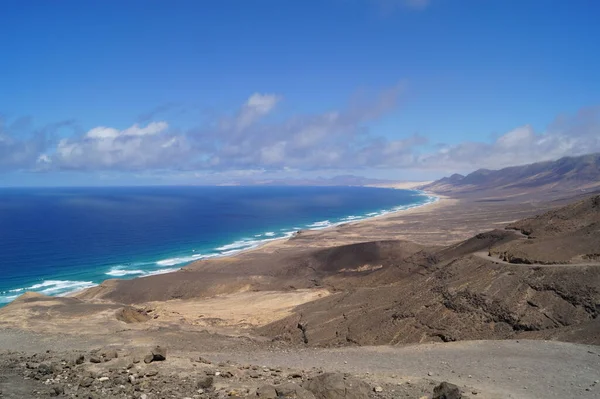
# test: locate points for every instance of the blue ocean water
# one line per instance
(58, 240)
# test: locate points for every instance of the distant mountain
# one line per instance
(342, 180)
(566, 174)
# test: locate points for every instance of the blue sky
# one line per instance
(192, 92)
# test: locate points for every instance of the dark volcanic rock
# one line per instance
(205, 382)
(290, 390)
(337, 386)
(159, 353)
(446, 391)
(266, 392)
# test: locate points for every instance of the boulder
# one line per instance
(338, 386)
(159, 353)
(266, 392)
(447, 391)
(205, 382)
(109, 354)
(86, 382)
(95, 359)
(293, 391)
(44, 369)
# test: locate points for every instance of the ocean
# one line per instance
(60, 240)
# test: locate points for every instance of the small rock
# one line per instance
(205, 383)
(446, 391)
(110, 354)
(226, 374)
(102, 379)
(131, 379)
(56, 390)
(143, 396)
(254, 374)
(95, 359)
(200, 391)
(151, 373)
(159, 353)
(86, 382)
(44, 369)
(378, 389)
(217, 373)
(429, 373)
(148, 358)
(79, 359)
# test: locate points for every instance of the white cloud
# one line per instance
(337, 139)
(135, 148)
(567, 136)
(256, 107)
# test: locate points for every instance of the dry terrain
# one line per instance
(352, 299)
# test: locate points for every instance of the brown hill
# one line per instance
(567, 235)
(559, 177)
(371, 293)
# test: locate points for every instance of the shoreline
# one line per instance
(430, 199)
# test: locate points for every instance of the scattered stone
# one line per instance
(338, 386)
(446, 391)
(266, 392)
(159, 353)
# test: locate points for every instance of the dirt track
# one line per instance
(503, 369)
(484, 255)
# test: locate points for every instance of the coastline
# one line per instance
(262, 243)
(275, 244)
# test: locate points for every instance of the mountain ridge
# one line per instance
(562, 175)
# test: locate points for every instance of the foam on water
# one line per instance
(48, 287)
(64, 287)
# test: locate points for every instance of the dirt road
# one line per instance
(495, 369)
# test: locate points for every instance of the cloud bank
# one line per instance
(250, 141)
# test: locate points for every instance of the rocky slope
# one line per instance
(556, 178)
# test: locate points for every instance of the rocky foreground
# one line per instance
(112, 373)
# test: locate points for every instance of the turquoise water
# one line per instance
(59, 240)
